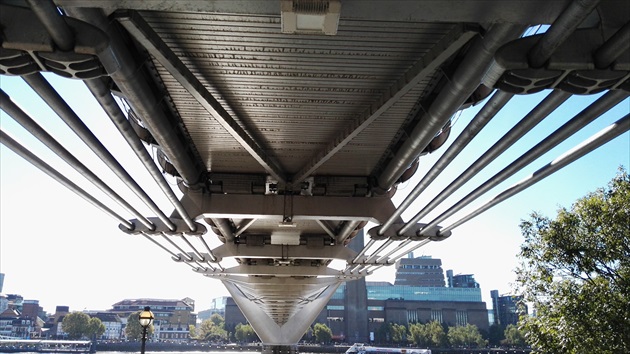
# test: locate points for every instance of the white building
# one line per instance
(113, 325)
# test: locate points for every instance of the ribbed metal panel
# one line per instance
(293, 93)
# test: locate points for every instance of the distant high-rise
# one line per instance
(355, 302)
(462, 281)
(421, 271)
(1, 281)
(506, 308)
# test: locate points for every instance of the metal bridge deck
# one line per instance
(290, 123)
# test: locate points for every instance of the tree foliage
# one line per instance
(398, 333)
(575, 270)
(217, 320)
(431, 334)
(496, 333)
(75, 324)
(95, 328)
(133, 330)
(212, 329)
(322, 333)
(514, 337)
(391, 333)
(79, 325)
(245, 333)
(466, 336)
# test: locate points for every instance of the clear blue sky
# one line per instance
(58, 249)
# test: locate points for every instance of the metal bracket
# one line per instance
(27, 52)
(182, 228)
(416, 233)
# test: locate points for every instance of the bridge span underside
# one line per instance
(290, 123)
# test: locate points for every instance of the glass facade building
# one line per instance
(422, 271)
(387, 291)
(507, 308)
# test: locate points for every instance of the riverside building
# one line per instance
(418, 295)
(172, 317)
(506, 309)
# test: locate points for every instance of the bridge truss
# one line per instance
(289, 124)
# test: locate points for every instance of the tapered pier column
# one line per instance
(280, 349)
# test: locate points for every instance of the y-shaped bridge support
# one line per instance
(270, 332)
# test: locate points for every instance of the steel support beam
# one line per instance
(613, 47)
(280, 282)
(267, 270)
(104, 97)
(442, 51)
(465, 80)
(489, 110)
(607, 134)
(535, 116)
(273, 207)
(63, 110)
(390, 10)
(9, 142)
(129, 77)
(47, 13)
(560, 30)
(283, 252)
(589, 114)
(7, 105)
(151, 41)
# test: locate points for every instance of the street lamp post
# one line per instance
(146, 318)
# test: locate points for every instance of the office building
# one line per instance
(421, 271)
(507, 308)
(460, 280)
(400, 303)
(172, 317)
(409, 304)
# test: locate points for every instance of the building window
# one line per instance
(376, 308)
(334, 307)
(436, 315)
(461, 318)
(412, 316)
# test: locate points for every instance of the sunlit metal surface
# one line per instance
(287, 144)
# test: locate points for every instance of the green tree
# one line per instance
(427, 335)
(514, 337)
(496, 333)
(212, 330)
(75, 324)
(465, 336)
(218, 320)
(391, 333)
(398, 333)
(575, 270)
(322, 333)
(437, 336)
(245, 333)
(418, 335)
(95, 328)
(133, 329)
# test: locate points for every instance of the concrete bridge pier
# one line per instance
(280, 349)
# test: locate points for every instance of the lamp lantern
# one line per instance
(146, 318)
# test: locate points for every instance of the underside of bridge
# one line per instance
(290, 123)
